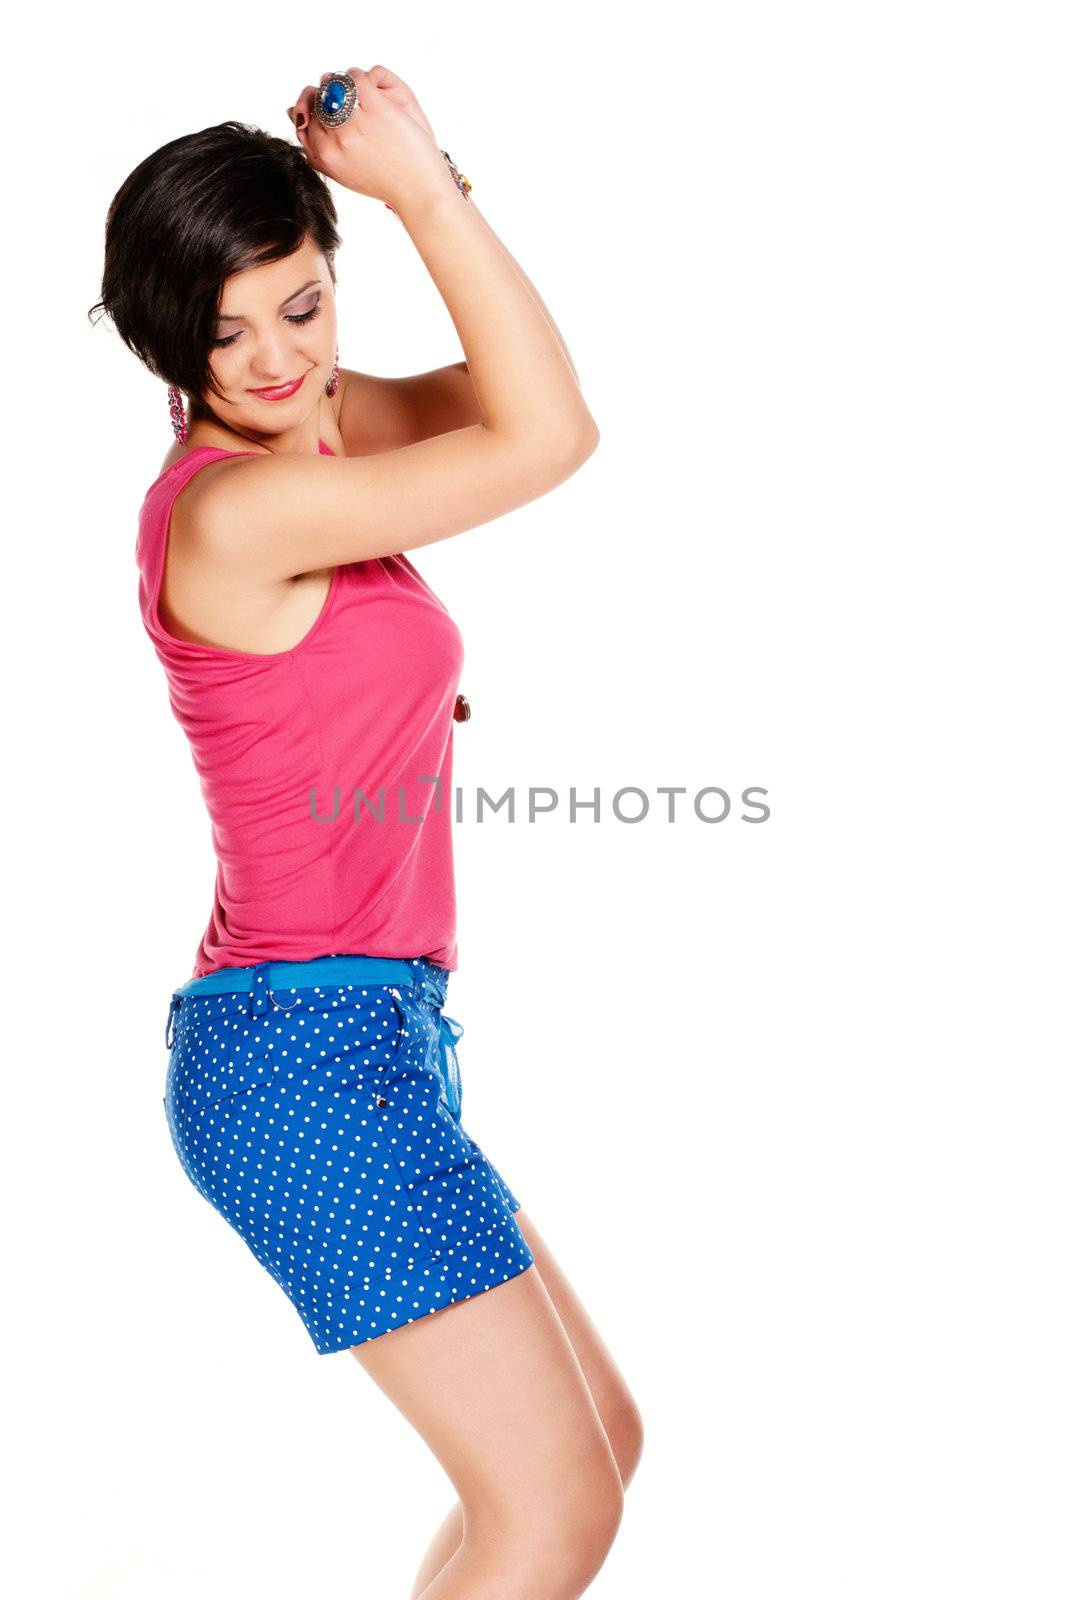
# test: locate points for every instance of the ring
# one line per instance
(335, 99)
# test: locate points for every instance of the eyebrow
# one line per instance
(236, 316)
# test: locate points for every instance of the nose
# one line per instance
(274, 362)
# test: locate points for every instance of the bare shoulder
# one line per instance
(193, 506)
(208, 595)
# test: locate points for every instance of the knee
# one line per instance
(570, 1544)
(555, 1542)
(587, 1524)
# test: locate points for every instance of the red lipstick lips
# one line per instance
(282, 392)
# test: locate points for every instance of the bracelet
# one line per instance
(459, 178)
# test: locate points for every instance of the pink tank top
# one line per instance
(326, 769)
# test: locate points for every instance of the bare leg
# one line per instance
(441, 1548)
(495, 1389)
(617, 1409)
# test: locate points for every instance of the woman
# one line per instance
(313, 1094)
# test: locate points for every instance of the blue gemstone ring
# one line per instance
(335, 99)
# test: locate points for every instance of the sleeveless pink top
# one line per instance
(326, 769)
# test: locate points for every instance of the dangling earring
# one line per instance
(178, 414)
(332, 382)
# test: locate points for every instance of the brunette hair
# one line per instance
(192, 214)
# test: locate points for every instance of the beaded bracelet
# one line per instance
(459, 178)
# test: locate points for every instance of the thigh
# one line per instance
(614, 1400)
(494, 1387)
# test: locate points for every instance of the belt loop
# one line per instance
(260, 990)
(169, 1037)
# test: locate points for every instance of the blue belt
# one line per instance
(259, 982)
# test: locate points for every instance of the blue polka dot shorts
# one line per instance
(318, 1109)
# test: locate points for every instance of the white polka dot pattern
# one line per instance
(320, 1130)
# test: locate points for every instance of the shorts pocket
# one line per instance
(238, 1078)
(352, 1026)
(457, 1208)
(211, 1044)
(366, 1015)
(307, 1041)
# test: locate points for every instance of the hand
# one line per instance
(402, 96)
(385, 149)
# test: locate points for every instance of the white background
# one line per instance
(788, 1101)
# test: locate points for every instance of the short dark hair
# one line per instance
(192, 214)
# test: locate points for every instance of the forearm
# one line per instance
(534, 292)
(520, 371)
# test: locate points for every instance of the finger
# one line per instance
(308, 130)
(367, 88)
(302, 107)
(384, 78)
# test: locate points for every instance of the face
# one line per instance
(276, 326)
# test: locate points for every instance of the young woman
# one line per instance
(312, 1092)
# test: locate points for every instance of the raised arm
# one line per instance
(280, 515)
(376, 413)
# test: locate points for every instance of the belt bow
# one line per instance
(450, 1032)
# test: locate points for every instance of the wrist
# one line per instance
(432, 195)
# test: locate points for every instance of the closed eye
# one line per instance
(303, 316)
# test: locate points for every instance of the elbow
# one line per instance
(591, 436)
(573, 455)
(581, 443)
(554, 456)
(588, 445)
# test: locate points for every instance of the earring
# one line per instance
(332, 382)
(178, 414)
